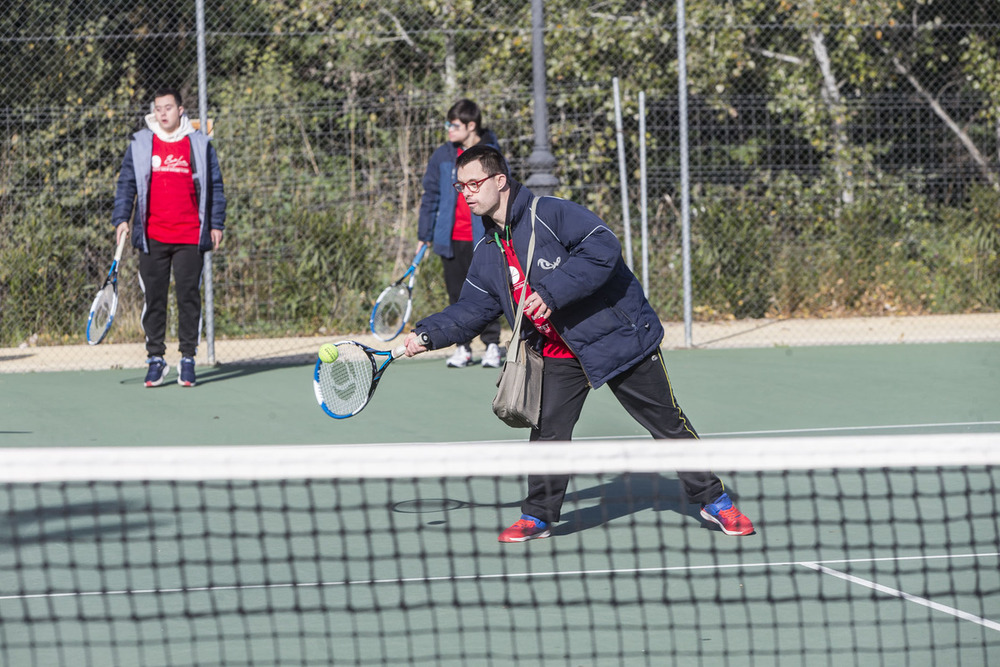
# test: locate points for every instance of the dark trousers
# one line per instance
(455, 271)
(644, 391)
(154, 278)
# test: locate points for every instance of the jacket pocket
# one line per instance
(622, 316)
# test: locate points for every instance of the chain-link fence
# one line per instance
(843, 156)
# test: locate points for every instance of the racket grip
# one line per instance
(121, 246)
(399, 352)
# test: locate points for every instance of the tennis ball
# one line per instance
(328, 353)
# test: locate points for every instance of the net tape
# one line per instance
(475, 459)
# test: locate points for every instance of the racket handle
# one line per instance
(420, 255)
(121, 246)
(399, 352)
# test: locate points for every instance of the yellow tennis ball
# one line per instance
(328, 353)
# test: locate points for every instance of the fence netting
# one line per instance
(843, 156)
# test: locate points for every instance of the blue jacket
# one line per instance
(598, 306)
(437, 207)
(133, 187)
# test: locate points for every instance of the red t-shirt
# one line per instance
(173, 211)
(462, 231)
(554, 345)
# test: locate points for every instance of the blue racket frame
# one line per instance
(379, 359)
(411, 273)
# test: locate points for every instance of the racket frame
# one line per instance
(377, 368)
(112, 279)
(411, 274)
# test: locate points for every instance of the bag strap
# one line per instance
(516, 337)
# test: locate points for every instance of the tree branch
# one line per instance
(838, 111)
(402, 31)
(962, 135)
(774, 55)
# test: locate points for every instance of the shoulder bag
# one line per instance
(518, 402)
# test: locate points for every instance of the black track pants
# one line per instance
(154, 278)
(644, 391)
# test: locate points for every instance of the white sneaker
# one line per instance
(491, 358)
(461, 358)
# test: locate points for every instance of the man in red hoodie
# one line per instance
(170, 176)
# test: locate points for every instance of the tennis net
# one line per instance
(879, 550)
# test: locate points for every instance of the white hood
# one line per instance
(182, 130)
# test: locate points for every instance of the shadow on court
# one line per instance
(77, 522)
(619, 497)
(222, 372)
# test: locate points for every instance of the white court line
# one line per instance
(840, 429)
(965, 616)
(815, 565)
(723, 434)
(821, 429)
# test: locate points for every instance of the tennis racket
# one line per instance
(392, 307)
(344, 386)
(102, 310)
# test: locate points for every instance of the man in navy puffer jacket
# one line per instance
(589, 319)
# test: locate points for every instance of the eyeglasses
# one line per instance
(452, 125)
(472, 185)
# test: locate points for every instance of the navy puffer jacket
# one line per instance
(597, 303)
(437, 205)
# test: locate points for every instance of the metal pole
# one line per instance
(643, 208)
(685, 168)
(209, 301)
(541, 162)
(622, 175)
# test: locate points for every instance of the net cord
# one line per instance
(423, 460)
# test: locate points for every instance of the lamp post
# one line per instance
(541, 162)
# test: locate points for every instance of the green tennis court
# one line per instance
(855, 564)
(820, 390)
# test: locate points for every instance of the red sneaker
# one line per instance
(526, 528)
(724, 513)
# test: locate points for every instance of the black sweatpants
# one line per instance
(455, 271)
(154, 278)
(644, 391)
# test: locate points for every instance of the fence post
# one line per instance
(208, 306)
(685, 168)
(643, 196)
(622, 175)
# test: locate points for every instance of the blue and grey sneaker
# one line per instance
(157, 371)
(185, 372)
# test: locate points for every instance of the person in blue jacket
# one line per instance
(170, 187)
(588, 317)
(447, 225)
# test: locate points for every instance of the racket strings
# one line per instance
(345, 384)
(390, 312)
(101, 312)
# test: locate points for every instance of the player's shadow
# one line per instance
(222, 372)
(86, 521)
(621, 496)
